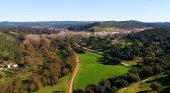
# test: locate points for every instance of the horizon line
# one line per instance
(88, 21)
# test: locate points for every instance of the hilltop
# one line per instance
(113, 25)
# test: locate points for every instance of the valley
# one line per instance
(44, 59)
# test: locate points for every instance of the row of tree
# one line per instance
(28, 30)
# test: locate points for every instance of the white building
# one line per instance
(8, 66)
(14, 65)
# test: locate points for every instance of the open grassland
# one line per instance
(96, 28)
(161, 79)
(92, 71)
(123, 43)
(62, 85)
(22, 75)
(134, 62)
(144, 86)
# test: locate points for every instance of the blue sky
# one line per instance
(85, 10)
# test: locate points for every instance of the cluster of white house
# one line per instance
(10, 65)
(105, 33)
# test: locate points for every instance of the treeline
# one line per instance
(57, 24)
(82, 27)
(40, 53)
(119, 24)
(28, 30)
(135, 24)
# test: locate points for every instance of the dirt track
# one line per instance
(73, 77)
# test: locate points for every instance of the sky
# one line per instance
(85, 10)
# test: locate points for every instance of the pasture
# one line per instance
(91, 70)
(134, 62)
(144, 85)
(123, 43)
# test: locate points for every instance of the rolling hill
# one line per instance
(59, 24)
(112, 25)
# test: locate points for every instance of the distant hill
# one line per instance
(89, 25)
(58, 24)
(111, 25)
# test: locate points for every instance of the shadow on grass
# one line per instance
(162, 80)
(139, 64)
(145, 91)
(58, 92)
(101, 60)
(166, 90)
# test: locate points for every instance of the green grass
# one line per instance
(63, 85)
(91, 71)
(133, 62)
(26, 75)
(145, 86)
(62, 57)
(131, 89)
(161, 79)
(123, 43)
(108, 29)
(22, 75)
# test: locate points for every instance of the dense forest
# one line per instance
(9, 48)
(28, 30)
(45, 58)
(152, 45)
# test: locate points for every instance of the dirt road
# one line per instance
(73, 77)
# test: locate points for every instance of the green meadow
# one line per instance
(62, 85)
(134, 62)
(97, 28)
(91, 70)
(144, 85)
(123, 43)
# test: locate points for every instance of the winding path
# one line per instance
(73, 77)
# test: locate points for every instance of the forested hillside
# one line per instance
(9, 48)
(41, 59)
(28, 30)
(117, 24)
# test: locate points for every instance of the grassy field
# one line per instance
(96, 28)
(123, 43)
(145, 86)
(62, 85)
(92, 71)
(134, 62)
